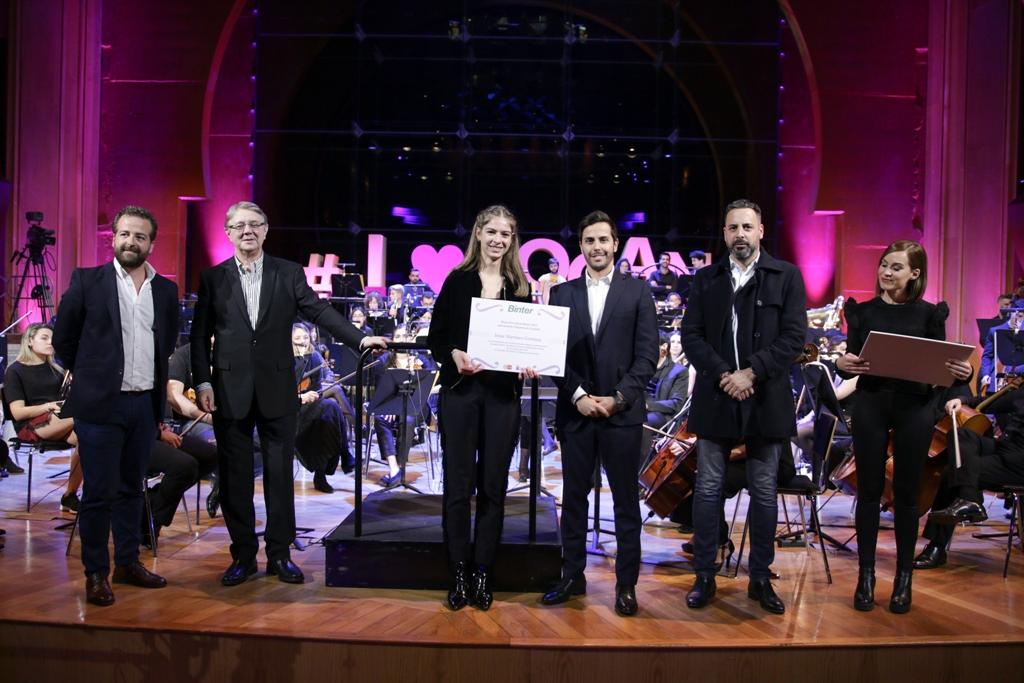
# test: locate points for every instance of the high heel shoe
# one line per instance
(900, 601)
(480, 595)
(458, 595)
(864, 596)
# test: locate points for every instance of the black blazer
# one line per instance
(670, 393)
(87, 339)
(621, 358)
(780, 323)
(245, 361)
(449, 329)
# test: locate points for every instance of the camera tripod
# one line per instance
(41, 292)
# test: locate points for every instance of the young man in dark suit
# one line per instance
(611, 354)
(115, 330)
(744, 326)
(247, 305)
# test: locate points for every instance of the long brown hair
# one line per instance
(511, 268)
(917, 259)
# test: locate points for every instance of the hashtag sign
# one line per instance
(319, 272)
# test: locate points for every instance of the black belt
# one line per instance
(136, 393)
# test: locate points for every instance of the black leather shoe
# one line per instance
(137, 575)
(625, 601)
(762, 591)
(864, 596)
(321, 484)
(69, 502)
(213, 499)
(565, 589)
(899, 603)
(931, 557)
(238, 572)
(285, 570)
(458, 594)
(480, 595)
(703, 590)
(97, 590)
(12, 468)
(959, 511)
(727, 548)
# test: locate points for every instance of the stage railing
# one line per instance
(535, 455)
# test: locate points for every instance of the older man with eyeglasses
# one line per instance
(244, 377)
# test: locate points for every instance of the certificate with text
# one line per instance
(508, 336)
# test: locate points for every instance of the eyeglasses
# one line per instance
(255, 225)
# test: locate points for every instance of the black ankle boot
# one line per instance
(864, 597)
(458, 595)
(320, 482)
(900, 601)
(480, 595)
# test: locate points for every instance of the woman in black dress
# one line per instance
(907, 408)
(478, 409)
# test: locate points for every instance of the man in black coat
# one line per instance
(114, 331)
(610, 357)
(743, 328)
(247, 305)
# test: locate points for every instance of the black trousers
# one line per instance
(912, 419)
(985, 464)
(619, 450)
(478, 434)
(114, 455)
(237, 484)
(182, 468)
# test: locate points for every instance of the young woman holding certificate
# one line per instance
(478, 409)
(907, 408)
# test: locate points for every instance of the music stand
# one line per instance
(346, 284)
(381, 324)
(402, 393)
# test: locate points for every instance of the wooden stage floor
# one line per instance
(967, 622)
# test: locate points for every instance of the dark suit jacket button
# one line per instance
(758, 302)
(757, 335)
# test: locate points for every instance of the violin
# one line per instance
(306, 380)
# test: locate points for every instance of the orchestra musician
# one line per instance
(744, 324)
(242, 330)
(989, 377)
(32, 385)
(478, 410)
(986, 463)
(663, 280)
(549, 279)
(611, 354)
(906, 408)
(625, 267)
(666, 392)
(321, 431)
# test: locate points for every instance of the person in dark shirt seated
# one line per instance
(32, 386)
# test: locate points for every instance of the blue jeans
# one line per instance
(114, 457)
(762, 513)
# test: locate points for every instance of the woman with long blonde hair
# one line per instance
(32, 385)
(478, 409)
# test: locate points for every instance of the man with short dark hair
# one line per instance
(114, 330)
(744, 324)
(663, 280)
(611, 352)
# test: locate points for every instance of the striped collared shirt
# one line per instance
(137, 338)
(252, 279)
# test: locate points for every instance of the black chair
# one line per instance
(1014, 494)
(30, 448)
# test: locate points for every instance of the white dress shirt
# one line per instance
(137, 338)
(597, 295)
(252, 280)
(740, 277)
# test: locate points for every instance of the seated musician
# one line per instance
(625, 267)
(321, 431)
(32, 385)
(417, 283)
(196, 455)
(675, 351)
(985, 463)
(550, 279)
(697, 260)
(988, 382)
(386, 426)
(666, 392)
(396, 304)
(358, 318)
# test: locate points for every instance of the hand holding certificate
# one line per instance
(510, 336)
(916, 359)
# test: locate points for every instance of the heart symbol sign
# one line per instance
(434, 266)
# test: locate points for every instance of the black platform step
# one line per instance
(402, 545)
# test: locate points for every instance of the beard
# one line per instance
(129, 258)
(741, 250)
